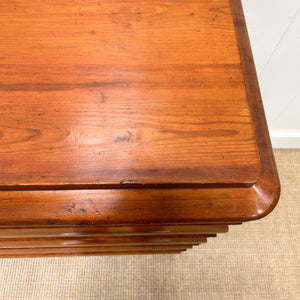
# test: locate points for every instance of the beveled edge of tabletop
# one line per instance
(186, 206)
(268, 185)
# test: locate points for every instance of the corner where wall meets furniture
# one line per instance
(128, 127)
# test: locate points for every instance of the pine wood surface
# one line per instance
(125, 120)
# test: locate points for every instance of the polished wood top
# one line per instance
(124, 94)
(53, 135)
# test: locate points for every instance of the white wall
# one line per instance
(274, 30)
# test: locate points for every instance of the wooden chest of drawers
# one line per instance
(128, 126)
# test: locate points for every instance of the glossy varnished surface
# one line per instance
(114, 93)
(79, 231)
(14, 243)
(150, 145)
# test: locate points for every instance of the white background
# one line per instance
(274, 30)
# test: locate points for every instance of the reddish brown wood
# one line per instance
(78, 231)
(134, 115)
(135, 206)
(268, 185)
(38, 242)
(79, 252)
(94, 249)
(99, 100)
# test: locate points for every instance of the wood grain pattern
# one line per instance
(100, 96)
(137, 119)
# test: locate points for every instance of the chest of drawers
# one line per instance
(128, 126)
